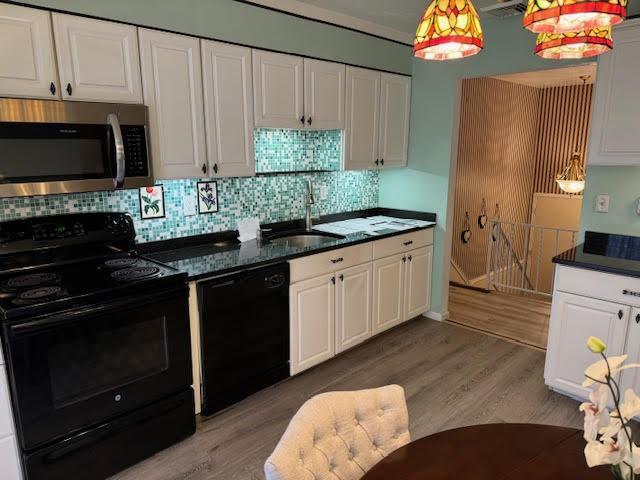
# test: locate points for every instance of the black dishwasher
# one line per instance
(244, 328)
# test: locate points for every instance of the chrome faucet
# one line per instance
(310, 203)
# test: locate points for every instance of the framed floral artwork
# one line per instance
(152, 202)
(207, 197)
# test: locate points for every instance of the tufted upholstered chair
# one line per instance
(341, 435)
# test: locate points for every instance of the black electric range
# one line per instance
(97, 345)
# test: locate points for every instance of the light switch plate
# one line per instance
(189, 206)
(323, 192)
(602, 203)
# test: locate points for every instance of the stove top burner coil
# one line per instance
(135, 273)
(32, 280)
(121, 262)
(39, 294)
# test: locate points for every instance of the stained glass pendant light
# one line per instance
(448, 29)
(562, 16)
(584, 44)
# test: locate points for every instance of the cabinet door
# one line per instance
(312, 322)
(324, 85)
(395, 102)
(388, 292)
(98, 60)
(631, 377)
(417, 297)
(362, 117)
(278, 89)
(616, 115)
(354, 288)
(228, 99)
(27, 59)
(9, 459)
(172, 79)
(573, 320)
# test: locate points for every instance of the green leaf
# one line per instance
(146, 209)
(146, 199)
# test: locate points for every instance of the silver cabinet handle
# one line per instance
(114, 123)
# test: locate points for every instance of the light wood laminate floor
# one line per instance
(522, 319)
(452, 377)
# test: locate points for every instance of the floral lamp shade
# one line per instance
(448, 29)
(562, 16)
(584, 44)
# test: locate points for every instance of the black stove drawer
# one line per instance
(114, 446)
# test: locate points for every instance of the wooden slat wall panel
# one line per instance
(496, 156)
(565, 115)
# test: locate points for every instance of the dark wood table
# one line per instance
(492, 452)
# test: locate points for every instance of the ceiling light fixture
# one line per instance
(572, 45)
(448, 29)
(572, 179)
(562, 16)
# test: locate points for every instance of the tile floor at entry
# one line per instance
(452, 377)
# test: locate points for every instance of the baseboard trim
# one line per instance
(441, 317)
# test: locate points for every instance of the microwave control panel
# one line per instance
(135, 150)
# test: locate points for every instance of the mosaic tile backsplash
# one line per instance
(297, 150)
(270, 198)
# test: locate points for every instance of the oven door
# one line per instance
(79, 368)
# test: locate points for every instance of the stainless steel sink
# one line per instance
(305, 239)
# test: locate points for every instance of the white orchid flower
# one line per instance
(596, 414)
(599, 371)
(605, 453)
(612, 429)
(630, 407)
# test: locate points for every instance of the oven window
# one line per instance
(83, 366)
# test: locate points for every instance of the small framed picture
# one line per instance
(207, 197)
(152, 202)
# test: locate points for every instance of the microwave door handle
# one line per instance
(114, 123)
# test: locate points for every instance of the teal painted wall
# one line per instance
(425, 184)
(239, 22)
(623, 185)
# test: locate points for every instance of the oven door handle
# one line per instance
(68, 317)
(114, 123)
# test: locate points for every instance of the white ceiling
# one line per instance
(555, 77)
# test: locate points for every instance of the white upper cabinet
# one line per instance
(395, 104)
(615, 138)
(172, 80)
(362, 119)
(98, 60)
(324, 94)
(278, 82)
(27, 58)
(228, 99)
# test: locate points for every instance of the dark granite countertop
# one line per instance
(618, 254)
(219, 254)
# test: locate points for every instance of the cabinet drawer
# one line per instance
(6, 418)
(594, 284)
(323, 263)
(402, 243)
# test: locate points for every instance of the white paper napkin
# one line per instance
(248, 228)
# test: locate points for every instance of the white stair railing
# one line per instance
(519, 256)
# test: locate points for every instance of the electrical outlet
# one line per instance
(638, 207)
(189, 205)
(324, 192)
(602, 203)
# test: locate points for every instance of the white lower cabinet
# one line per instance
(354, 288)
(417, 290)
(388, 292)
(333, 309)
(631, 378)
(9, 460)
(312, 320)
(574, 318)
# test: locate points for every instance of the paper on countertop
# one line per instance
(248, 250)
(372, 225)
(248, 229)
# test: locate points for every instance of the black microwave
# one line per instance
(51, 147)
